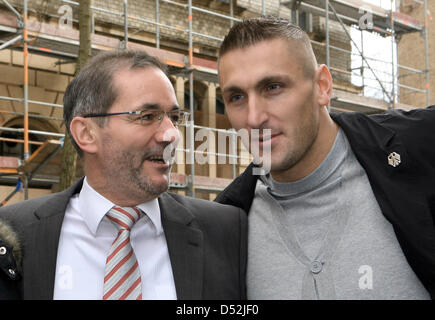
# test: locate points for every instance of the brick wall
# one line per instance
(412, 54)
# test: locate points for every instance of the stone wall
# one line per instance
(49, 76)
(47, 83)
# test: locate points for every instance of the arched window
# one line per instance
(14, 148)
(10, 147)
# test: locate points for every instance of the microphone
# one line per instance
(10, 262)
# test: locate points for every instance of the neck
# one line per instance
(314, 156)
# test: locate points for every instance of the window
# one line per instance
(14, 148)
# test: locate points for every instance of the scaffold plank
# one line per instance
(9, 164)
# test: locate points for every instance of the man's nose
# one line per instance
(167, 131)
(257, 113)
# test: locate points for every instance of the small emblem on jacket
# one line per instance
(394, 159)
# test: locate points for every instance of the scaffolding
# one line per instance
(63, 45)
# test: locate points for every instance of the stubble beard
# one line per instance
(303, 141)
(130, 179)
(142, 182)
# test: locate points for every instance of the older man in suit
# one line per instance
(117, 233)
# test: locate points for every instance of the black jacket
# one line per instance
(405, 193)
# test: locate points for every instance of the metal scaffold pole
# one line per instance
(362, 60)
(231, 12)
(157, 24)
(10, 42)
(337, 16)
(327, 32)
(393, 71)
(125, 24)
(26, 82)
(426, 52)
(191, 106)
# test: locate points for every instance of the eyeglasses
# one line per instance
(147, 117)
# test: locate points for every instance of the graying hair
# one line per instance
(93, 91)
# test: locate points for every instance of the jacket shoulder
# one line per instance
(216, 221)
(414, 128)
(21, 212)
(396, 119)
(416, 120)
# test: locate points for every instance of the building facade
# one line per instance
(187, 43)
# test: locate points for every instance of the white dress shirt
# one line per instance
(85, 240)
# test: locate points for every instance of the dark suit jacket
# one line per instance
(206, 243)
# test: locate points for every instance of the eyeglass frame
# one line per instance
(138, 112)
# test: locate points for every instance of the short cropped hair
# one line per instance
(254, 30)
(93, 90)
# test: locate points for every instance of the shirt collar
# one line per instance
(93, 207)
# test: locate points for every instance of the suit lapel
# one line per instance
(42, 240)
(185, 245)
(39, 262)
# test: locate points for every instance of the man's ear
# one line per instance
(84, 132)
(324, 85)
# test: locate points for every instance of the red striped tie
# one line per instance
(122, 275)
